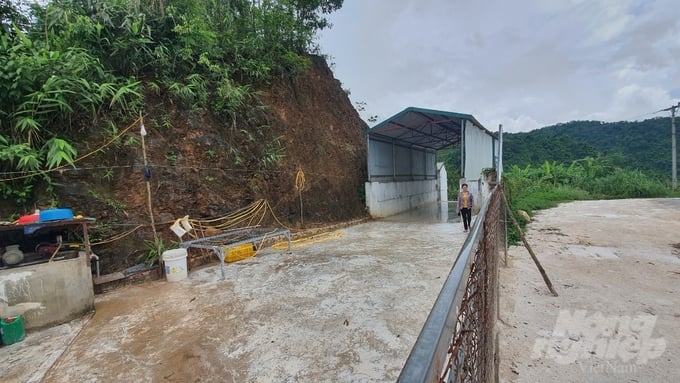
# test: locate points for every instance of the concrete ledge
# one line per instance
(51, 292)
(113, 281)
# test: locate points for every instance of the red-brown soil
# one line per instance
(206, 167)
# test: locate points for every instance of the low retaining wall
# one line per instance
(47, 293)
(384, 199)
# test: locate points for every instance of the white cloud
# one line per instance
(525, 63)
(516, 124)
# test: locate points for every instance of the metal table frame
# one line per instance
(234, 237)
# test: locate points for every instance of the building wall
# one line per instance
(47, 293)
(479, 155)
(384, 199)
(479, 147)
(390, 161)
(403, 176)
(442, 183)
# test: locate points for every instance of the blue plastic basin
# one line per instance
(55, 214)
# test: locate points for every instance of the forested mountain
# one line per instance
(643, 145)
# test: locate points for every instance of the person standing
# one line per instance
(464, 208)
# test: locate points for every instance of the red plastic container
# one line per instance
(24, 219)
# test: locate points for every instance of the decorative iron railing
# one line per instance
(458, 341)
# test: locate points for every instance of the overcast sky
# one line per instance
(522, 63)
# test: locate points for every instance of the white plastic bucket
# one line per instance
(175, 261)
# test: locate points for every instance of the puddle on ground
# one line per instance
(436, 212)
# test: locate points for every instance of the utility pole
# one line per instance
(673, 158)
(674, 166)
(500, 153)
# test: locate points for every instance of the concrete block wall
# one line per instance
(384, 199)
(47, 293)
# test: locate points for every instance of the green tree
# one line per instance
(74, 65)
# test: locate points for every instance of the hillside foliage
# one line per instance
(642, 145)
(582, 160)
(73, 68)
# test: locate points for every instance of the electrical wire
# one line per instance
(64, 167)
(250, 216)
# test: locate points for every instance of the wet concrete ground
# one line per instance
(344, 310)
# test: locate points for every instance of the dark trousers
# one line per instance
(466, 215)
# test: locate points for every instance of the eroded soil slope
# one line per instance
(205, 167)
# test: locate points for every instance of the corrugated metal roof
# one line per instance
(428, 128)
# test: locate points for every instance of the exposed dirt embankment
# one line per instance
(205, 167)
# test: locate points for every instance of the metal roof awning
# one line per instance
(427, 128)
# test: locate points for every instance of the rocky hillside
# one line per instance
(203, 167)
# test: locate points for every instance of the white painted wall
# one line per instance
(384, 199)
(479, 154)
(442, 183)
(478, 151)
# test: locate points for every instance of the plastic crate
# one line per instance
(238, 252)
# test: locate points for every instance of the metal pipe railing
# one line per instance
(439, 349)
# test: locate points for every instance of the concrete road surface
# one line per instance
(345, 309)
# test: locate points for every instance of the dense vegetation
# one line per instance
(75, 68)
(643, 145)
(588, 160)
(533, 188)
(640, 145)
